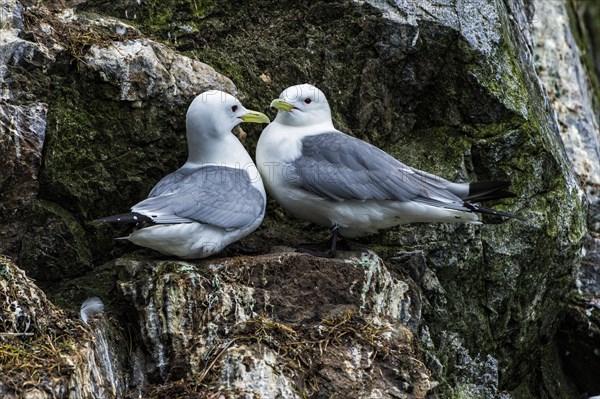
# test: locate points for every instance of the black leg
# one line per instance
(335, 231)
(331, 245)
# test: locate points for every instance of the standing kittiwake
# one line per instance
(215, 199)
(320, 174)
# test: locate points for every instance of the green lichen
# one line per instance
(85, 148)
(175, 267)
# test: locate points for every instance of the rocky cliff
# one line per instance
(92, 115)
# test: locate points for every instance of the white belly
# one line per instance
(188, 240)
(359, 218)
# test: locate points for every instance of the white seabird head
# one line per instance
(215, 113)
(302, 105)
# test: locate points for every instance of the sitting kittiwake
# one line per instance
(215, 199)
(322, 175)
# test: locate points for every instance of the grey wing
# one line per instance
(215, 195)
(340, 167)
(170, 181)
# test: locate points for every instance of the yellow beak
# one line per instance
(255, 117)
(282, 105)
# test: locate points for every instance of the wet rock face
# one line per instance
(24, 133)
(22, 126)
(278, 325)
(561, 64)
(21, 143)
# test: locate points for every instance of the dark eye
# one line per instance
(234, 108)
(307, 100)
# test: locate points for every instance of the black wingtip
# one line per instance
(131, 217)
(488, 211)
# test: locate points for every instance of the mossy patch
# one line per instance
(88, 153)
(102, 155)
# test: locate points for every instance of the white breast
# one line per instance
(276, 150)
(277, 147)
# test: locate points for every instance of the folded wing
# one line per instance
(215, 195)
(340, 167)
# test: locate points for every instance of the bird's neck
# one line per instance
(305, 130)
(224, 151)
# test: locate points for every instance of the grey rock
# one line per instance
(15, 51)
(144, 70)
(561, 68)
(21, 143)
(277, 325)
(407, 76)
(250, 373)
(23, 132)
(11, 15)
(474, 376)
(414, 263)
(496, 50)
